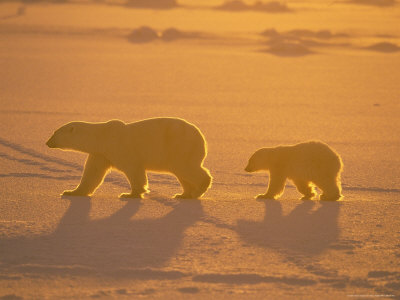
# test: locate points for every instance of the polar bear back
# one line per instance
(162, 144)
(312, 160)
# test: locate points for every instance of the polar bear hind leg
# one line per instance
(306, 188)
(203, 183)
(194, 180)
(187, 189)
(331, 190)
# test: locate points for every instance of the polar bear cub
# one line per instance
(306, 164)
(159, 144)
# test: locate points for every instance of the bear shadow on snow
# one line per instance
(114, 246)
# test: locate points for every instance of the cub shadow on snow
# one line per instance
(299, 237)
(302, 231)
(114, 246)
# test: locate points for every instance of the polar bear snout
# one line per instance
(51, 143)
(249, 169)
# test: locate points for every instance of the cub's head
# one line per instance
(260, 160)
(71, 136)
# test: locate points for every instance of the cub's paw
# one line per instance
(74, 193)
(308, 197)
(265, 196)
(130, 196)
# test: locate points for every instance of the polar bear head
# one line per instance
(71, 136)
(261, 160)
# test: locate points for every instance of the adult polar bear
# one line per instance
(159, 144)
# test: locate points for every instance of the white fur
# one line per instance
(160, 144)
(306, 164)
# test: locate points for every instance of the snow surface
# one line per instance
(312, 77)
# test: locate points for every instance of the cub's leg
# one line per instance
(138, 181)
(275, 187)
(96, 167)
(305, 188)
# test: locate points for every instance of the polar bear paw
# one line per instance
(131, 196)
(74, 193)
(325, 197)
(183, 196)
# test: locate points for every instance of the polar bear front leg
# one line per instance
(138, 181)
(96, 167)
(275, 187)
